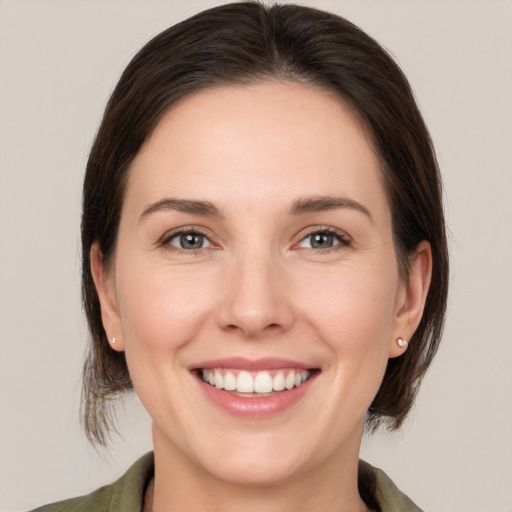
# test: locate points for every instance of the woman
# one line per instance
(264, 262)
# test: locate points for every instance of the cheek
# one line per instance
(350, 313)
(353, 312)
(161, 309)
(352, 297)
(161, 313)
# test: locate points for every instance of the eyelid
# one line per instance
(163, 241)
(343, 237)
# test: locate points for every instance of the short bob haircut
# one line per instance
(240, 44)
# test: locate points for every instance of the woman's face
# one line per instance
(255, 251)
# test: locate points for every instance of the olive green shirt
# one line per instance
(127, 493)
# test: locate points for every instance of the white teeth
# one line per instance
(278, 383)
(229, 382)
(219, 380)
(245, 383)
(262, 382)
(289, 382)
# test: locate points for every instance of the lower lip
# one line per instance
(256, 407)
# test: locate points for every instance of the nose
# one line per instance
(256, 300)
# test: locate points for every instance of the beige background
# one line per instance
(58, 62)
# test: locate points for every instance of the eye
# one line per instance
(188, 241)
(324, 239)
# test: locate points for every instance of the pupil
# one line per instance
(191, 241)
(322, 240)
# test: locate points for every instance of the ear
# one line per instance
(412, 297)
(104, 282)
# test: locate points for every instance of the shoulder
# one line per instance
(98, 501)
(384, 491)
(125, 494)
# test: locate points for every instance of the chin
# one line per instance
(256, 470)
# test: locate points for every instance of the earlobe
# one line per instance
(104, 282)
(410, 310)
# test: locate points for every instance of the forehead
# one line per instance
(257, 142)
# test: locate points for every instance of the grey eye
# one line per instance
(189, 241)
(320, 240)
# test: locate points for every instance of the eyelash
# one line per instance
(168, 237)
(342, 238)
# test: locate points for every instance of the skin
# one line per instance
(258, 288)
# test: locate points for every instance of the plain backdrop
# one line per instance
(59, 60)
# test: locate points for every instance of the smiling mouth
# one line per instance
(254, 384)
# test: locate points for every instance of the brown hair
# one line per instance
(241, 43)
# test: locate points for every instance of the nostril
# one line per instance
(252, 332)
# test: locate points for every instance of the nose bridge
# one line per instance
(255, 301)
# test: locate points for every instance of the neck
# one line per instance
(179, 484)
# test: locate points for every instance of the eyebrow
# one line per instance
(301, 206)
(311, 204)
(183, 205)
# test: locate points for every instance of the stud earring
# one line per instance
(113, 341)
(401, 342)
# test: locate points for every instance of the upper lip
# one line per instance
(242, 363)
